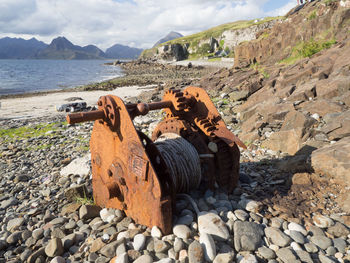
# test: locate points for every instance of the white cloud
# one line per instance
(138, 23)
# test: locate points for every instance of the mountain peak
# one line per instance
(61, 43)
(170, 36)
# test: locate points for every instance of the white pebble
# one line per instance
(274, 247)
(287, 232)
(132, 226)
(58, 259)
(122, 258)
(252, 206)
(322, 221)
(295, 246)
(139, 242)
(316, 116)
(155, 232)
(105, 237)
(194, 226)
(339, 255)
(231, 216)
(123, 234)
(297, 227)
(208, 245)
(182, 231)
(107, 215)
(183, 254)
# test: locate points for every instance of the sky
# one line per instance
(136, 23)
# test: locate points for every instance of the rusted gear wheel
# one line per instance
(177, 98)
(227, 161)
(205, 126)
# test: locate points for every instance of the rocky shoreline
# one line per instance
(47, 214)
(291, 203)
(139, 73)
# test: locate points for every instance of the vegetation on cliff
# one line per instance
(198, 42)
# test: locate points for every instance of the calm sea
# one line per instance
(21, 76)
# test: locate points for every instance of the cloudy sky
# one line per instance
(137, 23)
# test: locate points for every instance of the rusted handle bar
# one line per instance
(140, 108)
(144, 108)
(85, 116)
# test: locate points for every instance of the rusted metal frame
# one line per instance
(128, 170)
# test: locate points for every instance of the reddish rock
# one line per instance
(296, 119)
(285, 141)
(337, 125)
(334, 161)
(322, 107)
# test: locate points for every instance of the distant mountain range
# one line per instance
(123, 52)
(172, 35)
(16, 48)
(60, 48)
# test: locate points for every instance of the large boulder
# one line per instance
(337, 125)
(173, 52)
(333, 160)
(285, 141)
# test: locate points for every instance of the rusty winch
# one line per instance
(142, 176)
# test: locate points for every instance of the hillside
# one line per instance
(18, 48)
(289, 93)
(62, 48)
(123, 52)
(224, 37)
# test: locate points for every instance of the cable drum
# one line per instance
(182, 160)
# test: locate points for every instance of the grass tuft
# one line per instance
(306, 50)
(260, 69)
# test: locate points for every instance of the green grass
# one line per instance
(214, 59)
(264, 35)
(194, 39)
(307, 49)
(84, 200)
(260, 69)
(312, 15)
(28, 131)
(328, 2)
(217, 31)
(39, 147)
(312, 47)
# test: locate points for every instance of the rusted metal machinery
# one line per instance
(128, 170)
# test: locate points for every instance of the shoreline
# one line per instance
(60, 87)
(140, 80)
(44, 105)
(123, 79)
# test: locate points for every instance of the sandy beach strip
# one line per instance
(45, 105)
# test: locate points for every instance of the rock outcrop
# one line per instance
(173, 52)
(301, 109)
(313, 20)
(214, 40)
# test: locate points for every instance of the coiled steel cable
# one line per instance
(182, 160)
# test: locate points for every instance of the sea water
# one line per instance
(29, 75)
